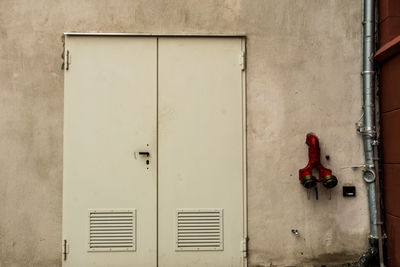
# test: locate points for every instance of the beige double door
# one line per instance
(154, 151)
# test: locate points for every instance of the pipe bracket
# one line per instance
(367, 72)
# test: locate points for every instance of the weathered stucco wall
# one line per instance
(303, 75)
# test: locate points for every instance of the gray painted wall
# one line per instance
(304, 61)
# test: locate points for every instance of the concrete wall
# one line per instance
(304, 62)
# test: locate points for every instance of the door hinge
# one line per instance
(65, 249)
(65, 55)
(66, 60)
(242, 60)
(243, 246)
(63, 52)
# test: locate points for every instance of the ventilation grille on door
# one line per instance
(112, 230)
(199, 229)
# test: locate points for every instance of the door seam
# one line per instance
(157, 213)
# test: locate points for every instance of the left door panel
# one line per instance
(110, 115)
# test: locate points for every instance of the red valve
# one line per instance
(325, 175)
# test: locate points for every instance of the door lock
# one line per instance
(146, 154)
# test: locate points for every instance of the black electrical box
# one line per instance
(349, 191)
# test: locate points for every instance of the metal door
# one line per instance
(201, 152)
(109, 194)
(179, 101)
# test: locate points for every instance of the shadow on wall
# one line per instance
(354, 264)
(310, 265)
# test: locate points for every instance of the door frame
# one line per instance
(243, 38)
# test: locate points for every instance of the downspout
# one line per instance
(368, 131)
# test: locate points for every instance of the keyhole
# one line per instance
(147, 162)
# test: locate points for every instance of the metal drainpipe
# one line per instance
(368, 128)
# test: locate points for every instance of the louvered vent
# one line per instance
(112, 230)
(199, 229)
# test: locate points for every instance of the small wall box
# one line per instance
(349, 191)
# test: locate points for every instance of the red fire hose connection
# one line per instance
(325, 175)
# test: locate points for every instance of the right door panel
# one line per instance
(201, 152)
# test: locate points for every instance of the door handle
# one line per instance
(147, 154)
